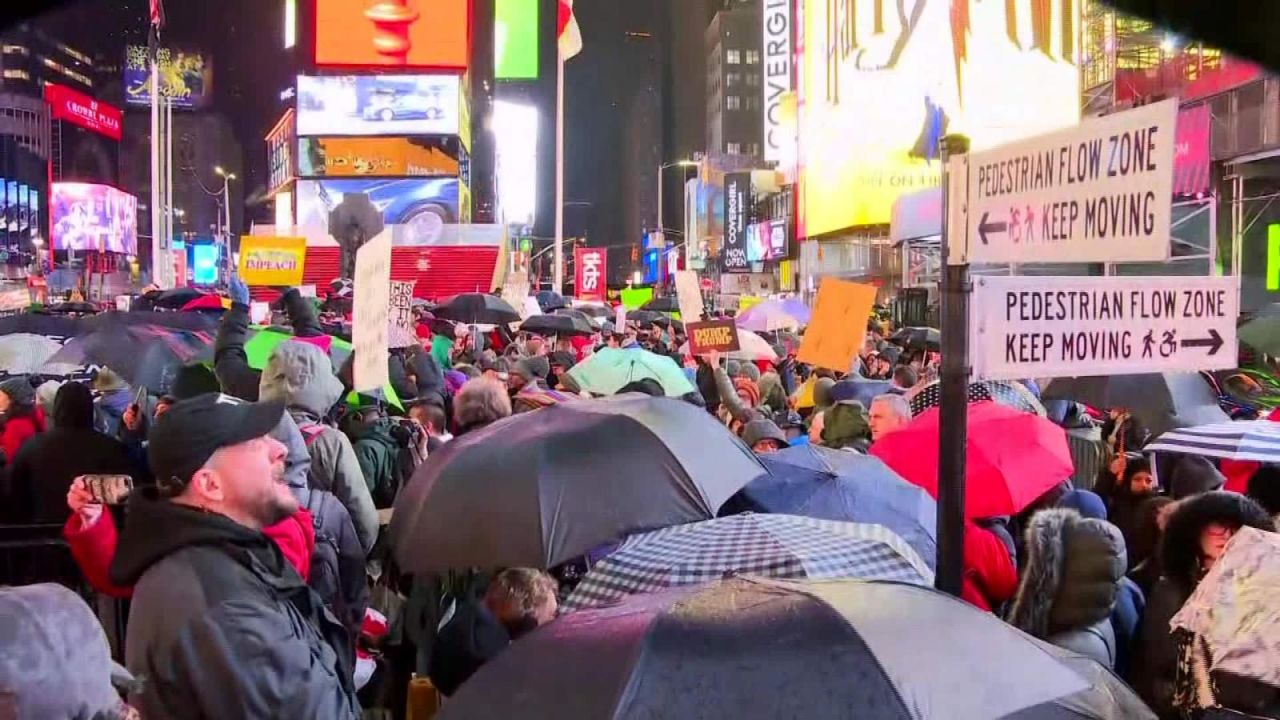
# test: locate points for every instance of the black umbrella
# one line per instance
(477, 309)
(578, 315)
(541, 488)
(145, 356)
(73, 308)
(666, 303)
(190, 321)
(649, 317)
(918, 337)
(354, 221)
(599, 311)
(549, 300)
(751, 648)
(55, 326)
(563, 325)
(174, 299)
(1160, 401)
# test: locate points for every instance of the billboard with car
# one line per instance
(87, 216)
(371, 105)
(420, 207)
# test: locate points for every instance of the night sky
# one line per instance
(618, 69)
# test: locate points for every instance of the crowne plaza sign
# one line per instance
(82, 110)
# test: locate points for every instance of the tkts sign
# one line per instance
(80, 109)
(589, 274)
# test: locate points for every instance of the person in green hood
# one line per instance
(845, 426)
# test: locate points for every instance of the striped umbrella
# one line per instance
(1256, 440)
(779, 546)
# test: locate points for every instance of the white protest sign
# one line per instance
(259, 312)
(307, 291)
(372, 310)
(689, 295)
(401, 305)
(620, 320)
(1024, 327)
(515, 288)
(1098, 192)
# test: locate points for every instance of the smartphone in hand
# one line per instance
(108, 489)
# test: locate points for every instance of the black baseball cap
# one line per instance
(185, 437)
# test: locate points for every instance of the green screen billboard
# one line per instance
(515, 41)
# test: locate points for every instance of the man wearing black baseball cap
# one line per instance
(221, 625)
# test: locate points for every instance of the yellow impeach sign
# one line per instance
(272, 261)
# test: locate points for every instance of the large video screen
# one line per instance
(19, 207)
(767, 241)
(515, 39)
(379, 157)
(395, 105)
(422, 206)
(186, 77)
(878, 90)
(411, 34)
(94, 217)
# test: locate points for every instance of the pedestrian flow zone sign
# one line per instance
(1098, 192)
(1023, 327)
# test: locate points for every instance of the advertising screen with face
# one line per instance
(419, 208)
(882, 82)
(94, 217)
(407, 34)
(396, 105)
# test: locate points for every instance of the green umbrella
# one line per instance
(263, 341)
(605, 372)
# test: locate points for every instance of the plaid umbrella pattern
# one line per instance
(1006, 392)
(777, 546)
(1255, 440)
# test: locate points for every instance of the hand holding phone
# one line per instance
(106, 489)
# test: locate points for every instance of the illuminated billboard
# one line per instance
(515, 131)
(378, 105)
(186, 77)
(423, 206)
(515, 39)
(80, 109)
(19, 207)
(87, 216)
(878, 90)
(378, 157)
(767, 241)
(408, 34)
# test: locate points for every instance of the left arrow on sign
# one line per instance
(985, 227)
(1214, 342)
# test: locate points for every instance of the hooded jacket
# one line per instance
(302, 376)
(48, 463)
(845, 425)
(1069, 586)
(230, 362)
(1155, 665)
(221, 626)
(990, 577)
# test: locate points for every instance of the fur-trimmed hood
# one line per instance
(1074, 565)
(1180, 548)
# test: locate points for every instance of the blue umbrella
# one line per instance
(862, 390)
(828, 484)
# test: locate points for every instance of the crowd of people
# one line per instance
(253, 545)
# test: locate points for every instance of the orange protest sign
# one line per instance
(838, 326)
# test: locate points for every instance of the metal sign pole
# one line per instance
(954, 433)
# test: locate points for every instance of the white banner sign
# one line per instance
(372, 310)
(1098, 192)
(779, 136)
(1023, 327)
(689, 295)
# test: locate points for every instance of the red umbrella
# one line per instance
(1011, 457)
(207, 302)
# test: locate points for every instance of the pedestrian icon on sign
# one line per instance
(1148, 344)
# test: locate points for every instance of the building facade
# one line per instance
(735, 125)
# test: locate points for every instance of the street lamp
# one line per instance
(226, 206)
(679, 163)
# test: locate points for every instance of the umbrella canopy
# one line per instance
(860, 389)
(1011, 458)
(752, 648)
(143, 355)
(750, 347)
(1262, 333)
(549, 300)
(477, 309)
(73, 308)
(55, 326)
(195, 322)
(1256, 441)
(773, 315)
(537, 489)
(778, 546)
(648, 317)
(1006, 392)
(664, 304)
(26, 353)
(828, 484)
(1160, 401)
(918, 337)
(563, 325)
(174, 299)
(609, 369)
(597, 311)
(210, 303)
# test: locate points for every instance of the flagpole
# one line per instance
(558, 273)
(157, 231)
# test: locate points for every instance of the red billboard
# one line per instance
(1191, 151)
(589, 274)
(80, 109)
(393, 33)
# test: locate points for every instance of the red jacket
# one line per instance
(17, 431)
(990, 578)
(94, 546)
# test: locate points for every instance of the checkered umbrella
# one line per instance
(1010, 392)
(779, 546)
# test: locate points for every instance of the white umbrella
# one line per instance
(23, 353)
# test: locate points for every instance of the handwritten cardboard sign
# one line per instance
(372, 311)
(838, 326)
(718, 335)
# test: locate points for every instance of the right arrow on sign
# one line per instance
(985, 227)
(1213, 342)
